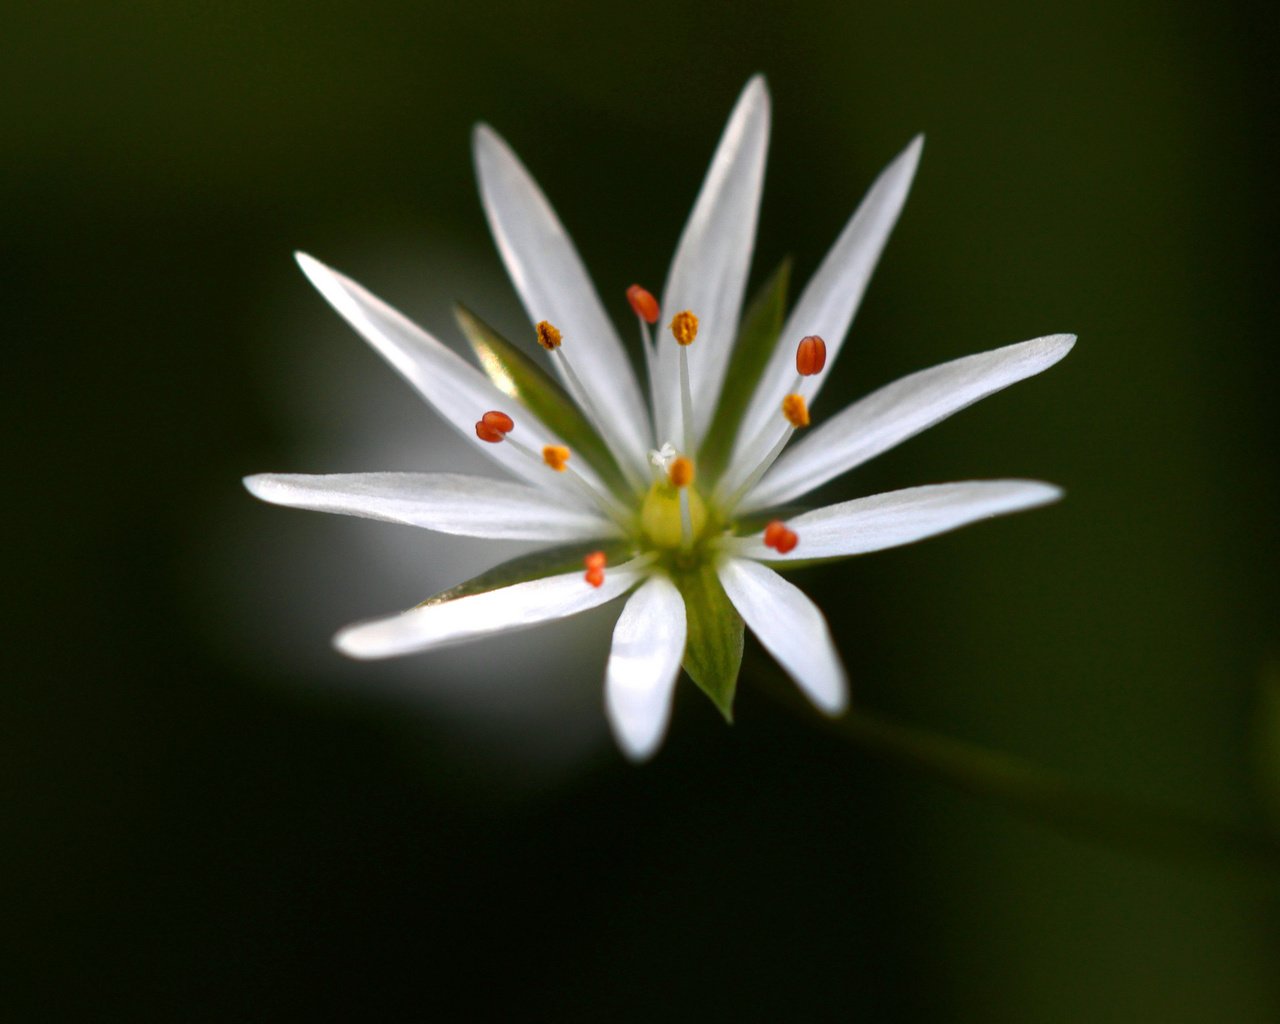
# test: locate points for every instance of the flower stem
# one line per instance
(1021, 785)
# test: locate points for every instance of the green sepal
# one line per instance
(535, 566)
(713, 651)
(515, 374)
(757, 338)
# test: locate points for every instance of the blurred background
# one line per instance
(212, 816)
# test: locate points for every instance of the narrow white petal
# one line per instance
(828, 303)
(900, 410)
(709, 271)
(469, 506)
(553, 285)
(791, 628)
(459, 392)
(901, 517)
(496, 611)
(644, 661)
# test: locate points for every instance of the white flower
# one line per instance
(667, 502)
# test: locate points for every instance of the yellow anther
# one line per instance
(556, 456)
(548, 335)
(796, 411)
(685, 327)
(681, 472)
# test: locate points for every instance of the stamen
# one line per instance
(684, 326)
(594, 563)
(548, 335)
(645, 307)
(811, 356)
(680, 472)
(494, 426)
(643, 304)
(681, 476)
(795, 410)
(796, 413)
(556, 456)
(780, 538)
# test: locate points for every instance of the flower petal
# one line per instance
(553, 285)
(791, 628)
(827, 306)
(469, 506)
(459, 392)
(430, 626)
(709, 271)
(900, 517)
(648, 643)
(900, 410)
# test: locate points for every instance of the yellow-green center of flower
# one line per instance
(661, 517)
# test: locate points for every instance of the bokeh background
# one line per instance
(213, 817)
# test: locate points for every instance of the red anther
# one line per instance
(643, 303)
(774, 532)
(811, 356)
(595, 568)
(499, 421)
(779, 537)
(493, 426)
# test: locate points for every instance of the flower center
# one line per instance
(662, 515)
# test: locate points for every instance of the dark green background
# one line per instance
(199, 833)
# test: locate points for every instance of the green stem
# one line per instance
(1053, 799)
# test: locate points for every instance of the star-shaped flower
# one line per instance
(683, 504)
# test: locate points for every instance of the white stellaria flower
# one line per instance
(667, 503)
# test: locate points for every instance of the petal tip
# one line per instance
(483, 135)
(259, 485)
(637, 749)
(353, 641)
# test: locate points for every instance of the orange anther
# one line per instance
(787, 542)
(681, 472)
(811, 356)
(556, 456)
(643, 303)
(595, 560)
(493, 426)
(685, 327)
(548, 335)
(795, 410)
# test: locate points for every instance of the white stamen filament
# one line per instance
(584, 399)
(754, 478)
(686, 402)
(686, 520)
(607, 504)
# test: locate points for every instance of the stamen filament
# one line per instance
(686, 402)
(606, 503)
(686, 520)
(646, 343)
(795, 411)
(741, 492)
(550, 338)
